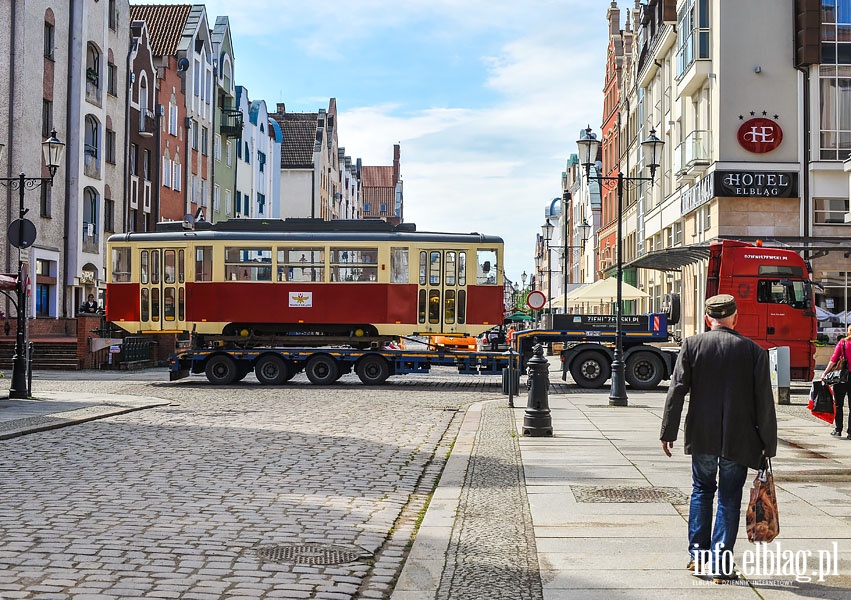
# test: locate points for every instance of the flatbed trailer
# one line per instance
(324, 366)
(589, 343)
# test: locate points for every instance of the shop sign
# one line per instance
(759, 135)
(756, 184)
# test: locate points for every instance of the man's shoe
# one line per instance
(722, 578)
(836, 433)
(848, 437)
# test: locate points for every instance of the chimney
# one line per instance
(282, 108)
(396, 154)
(614, 15)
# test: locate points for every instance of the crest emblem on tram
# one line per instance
(301, 300)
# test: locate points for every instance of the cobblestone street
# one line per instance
(242, 491)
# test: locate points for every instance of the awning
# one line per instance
(671, 259)
(8, 281)
(518, 316)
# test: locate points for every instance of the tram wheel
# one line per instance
(321, 369)
(373, 369)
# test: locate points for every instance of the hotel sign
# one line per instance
(756, 184)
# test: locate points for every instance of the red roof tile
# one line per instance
(377, 177)
(165, 24)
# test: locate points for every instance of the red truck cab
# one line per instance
(774, 296)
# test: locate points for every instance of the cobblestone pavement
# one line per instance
(492, 551)
(241, 491)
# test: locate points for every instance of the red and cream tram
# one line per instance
(304, 276)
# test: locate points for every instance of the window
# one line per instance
(92, 142)
(113, 15)
(204, 141)
(109, 149)
(177, 174)
(784, 291)
(45, 201)
(830, 211)
(247, 154)
(486, 267)
(261, 159)
(172, 117)
(166, 171)
(134, 159)
(301, 264)
(692, 33)
(217, 147)
(121, 265)
(204, 263)
(228, 203)
(248, 264)
(45, 287)
(354, 264)
(108, 215)
(229, 153)
(261, 202)
(146, 165)
(238, 149)
(92, 67)
(46, 118)
(836, 32)
(194, 135)
(835, 109)
(111, 79)
(383, 208)
(399, 265)
(217, 192)
(366, 208)
(49, 39)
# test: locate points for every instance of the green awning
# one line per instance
(518, 316)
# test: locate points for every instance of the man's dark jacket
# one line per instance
(731, 406)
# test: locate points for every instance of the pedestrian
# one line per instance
(840, 390)
(90, 305)
(493, 338)
(730, 426)
(510, 335)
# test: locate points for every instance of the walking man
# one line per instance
(730, 425)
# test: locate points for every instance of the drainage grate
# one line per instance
(595, 493)
(311, 554)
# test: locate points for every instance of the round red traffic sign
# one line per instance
(536, 300)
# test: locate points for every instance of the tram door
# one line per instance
(162, 279)
(442, 291)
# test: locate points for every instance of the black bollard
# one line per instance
(538, 422)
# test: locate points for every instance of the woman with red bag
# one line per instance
(840, 390)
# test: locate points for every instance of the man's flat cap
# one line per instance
(720, 306)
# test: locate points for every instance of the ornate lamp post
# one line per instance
(22, 234)
(651, 149)
(547, 232)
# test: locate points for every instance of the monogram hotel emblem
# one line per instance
(760, 135)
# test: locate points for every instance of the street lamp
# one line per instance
(547, 232)
(651, 149)
(22, 234)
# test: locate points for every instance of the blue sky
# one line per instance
(486, 98)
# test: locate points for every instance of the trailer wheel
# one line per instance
(321, 369)
(373, 369)
(271, 370)
(671, 307)
(221, 369)
(644, 370)
(590, 369)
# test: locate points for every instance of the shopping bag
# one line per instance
(762, 520)
(821, 402)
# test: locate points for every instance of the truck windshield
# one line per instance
(796, 294)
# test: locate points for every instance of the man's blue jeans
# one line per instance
(704, 541)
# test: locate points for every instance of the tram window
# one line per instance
(248, 264)
(486, 267)
(181, 268)
(181, 303)
(168, 304)
(398, 265)
(169, 260)
(155, 304)
(434, 268)
(462, 269)
(120, 265)
(422, 269)
(422, 305)
(301, 264)
(143, 264)
(155, 266)
(461, 307)
(204, 263)
(434, 306)
(354, 264)
(449, 306)
(145, 305)
(450, 268)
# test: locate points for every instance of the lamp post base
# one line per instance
(617, 394)
(18, 389)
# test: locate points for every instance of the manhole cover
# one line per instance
(311, 554)
(594, 493)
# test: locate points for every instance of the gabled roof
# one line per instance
(299, 131)
(166, 23)
(377, 176)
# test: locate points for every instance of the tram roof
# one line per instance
(299, 230)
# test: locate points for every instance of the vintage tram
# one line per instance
(252, 278)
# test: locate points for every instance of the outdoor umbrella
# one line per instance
(605, 290)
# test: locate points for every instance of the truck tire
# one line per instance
(221, 369)
(373, 369)
(271, 369)
(590, 369)
(321, 369)
(644, 370)
(672, 308)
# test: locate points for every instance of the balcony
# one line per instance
(231, 122)
(693, 155)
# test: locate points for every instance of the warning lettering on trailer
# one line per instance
(301, 299)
